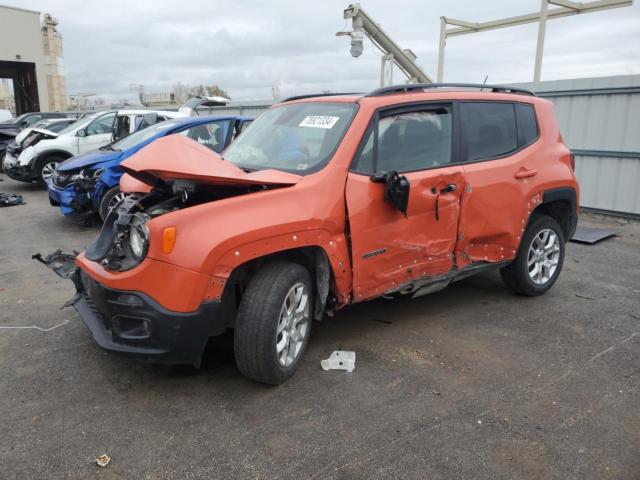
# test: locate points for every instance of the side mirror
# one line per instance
(396, 191)
(81, 133)
(24, 123)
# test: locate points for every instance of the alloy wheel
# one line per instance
(293, 324)
(543, 256)
(48, 169)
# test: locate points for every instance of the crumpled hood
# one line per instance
(176, 157)
(87, 159)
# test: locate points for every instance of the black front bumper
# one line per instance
(20, 173)
(133, 324)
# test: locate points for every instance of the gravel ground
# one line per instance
(471, 383)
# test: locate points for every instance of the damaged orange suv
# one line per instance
(326, 201)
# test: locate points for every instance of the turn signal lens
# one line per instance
(168, 239)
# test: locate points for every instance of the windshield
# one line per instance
(80, 123)
(140, 136)
(18, 119)
(298, 138)
(57, 126)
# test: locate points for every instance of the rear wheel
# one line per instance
(539, 260)
(273, 323)
(46, 167)
(110, 199)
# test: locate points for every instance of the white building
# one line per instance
(31, 55)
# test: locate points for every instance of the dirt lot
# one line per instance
(472, 382)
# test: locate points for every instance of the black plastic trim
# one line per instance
(567, 194)
(173, 338)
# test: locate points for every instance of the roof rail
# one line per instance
(314, 95)
(410, 87)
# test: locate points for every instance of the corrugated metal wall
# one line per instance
(600, 121)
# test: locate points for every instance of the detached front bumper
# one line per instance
(132, 324)
(20, 173)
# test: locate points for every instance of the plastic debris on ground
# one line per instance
(590, 235)
(10, 199)
(340, 360)
(103, 460)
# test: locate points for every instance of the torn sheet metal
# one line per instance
(64, 264)
(340, 360)
(10, 199)
(591, 235)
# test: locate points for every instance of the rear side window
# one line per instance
(527, 125)
(407, 141)
(489, 129)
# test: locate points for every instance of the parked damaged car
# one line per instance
(10, 128)
(88, 184)
(38, 161)
(322, 203)
(32, 135)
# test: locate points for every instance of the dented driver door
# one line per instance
(392, 248)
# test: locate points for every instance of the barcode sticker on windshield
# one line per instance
(319, 121)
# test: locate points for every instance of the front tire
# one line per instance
(274, 322)
(45, 168)
(540, 258)
(110, 199)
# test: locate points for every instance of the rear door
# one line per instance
(499, 151)
(390, 248)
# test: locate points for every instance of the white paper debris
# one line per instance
(340, 360)
(103, 460)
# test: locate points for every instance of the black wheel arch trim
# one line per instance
(564, 194)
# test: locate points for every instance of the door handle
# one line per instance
(452, 187)
(525, 173)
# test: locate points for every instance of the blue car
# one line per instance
(88, 184)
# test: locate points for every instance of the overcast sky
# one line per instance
(249, 46)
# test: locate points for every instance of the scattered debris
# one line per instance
(591, 235)
(340, 360)
(379, 320)
(36, 328)
(103, 460)
(64, 264)
(10, 199)
(586, 297)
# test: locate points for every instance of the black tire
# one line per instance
(516, 275)
(257, 322)
(40, 165)
(108, 196)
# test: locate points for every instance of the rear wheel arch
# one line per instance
(561, 205)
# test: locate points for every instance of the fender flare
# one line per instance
(334, 247)
(564, 194)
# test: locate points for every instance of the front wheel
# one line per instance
(273, 323)
(539, 260)
(110, 199)
(46, 167)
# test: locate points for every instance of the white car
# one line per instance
(37, 162)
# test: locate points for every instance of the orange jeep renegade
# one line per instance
(326, 201)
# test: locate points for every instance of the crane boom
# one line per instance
(361, 24)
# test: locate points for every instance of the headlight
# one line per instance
(138, 241)
(87, 174)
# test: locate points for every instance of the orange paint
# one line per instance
(341, 212)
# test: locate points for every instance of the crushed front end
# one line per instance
(109, 278)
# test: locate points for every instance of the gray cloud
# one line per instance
(248, 47)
